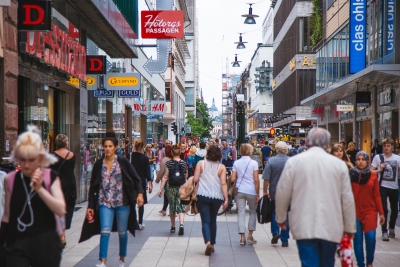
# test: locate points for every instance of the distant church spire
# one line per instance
(213, 107)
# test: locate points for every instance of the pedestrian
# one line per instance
(174, 176)
(89, 156)
(271, 175)
(28, 227)
(338, 151)
(245, 174)
(115, 189)
(211, 194)
(126, 148)
(200, 153)
(190, 161)
(388, 185)
(225, 149)
(160, 156)
(352, 151)
(316, 187)
(368, 204)
(376, 149)
(184, 152)
(266, 153)
(151, 156)
(234, 152)
(302, 147)
(65, 167)
(166, 158)
(141, 164)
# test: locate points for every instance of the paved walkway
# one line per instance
(155, 246)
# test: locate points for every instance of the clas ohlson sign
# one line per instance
(358, 18)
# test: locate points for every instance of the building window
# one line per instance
(167, 91)
(303, 42)
(189, 102)
(329, 4)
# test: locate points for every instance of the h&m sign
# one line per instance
(34, 15)
(386, 96)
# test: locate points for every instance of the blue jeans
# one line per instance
(316, 252)
(370, 241)
(106, 223)
(284, 234)
(208, 208)
(152, 172)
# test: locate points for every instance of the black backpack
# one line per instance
(176, 175)
(264, 211)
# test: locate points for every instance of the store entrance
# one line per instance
(366, 137)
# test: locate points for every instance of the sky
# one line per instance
(219, 25)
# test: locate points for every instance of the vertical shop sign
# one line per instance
(73, 31)
(34, 15)
(96, 65)
(358, 18)
(390, 26)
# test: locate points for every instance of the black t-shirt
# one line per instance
(43, 217)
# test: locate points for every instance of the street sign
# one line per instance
(188, 128)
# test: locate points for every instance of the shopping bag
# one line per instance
(345, 252)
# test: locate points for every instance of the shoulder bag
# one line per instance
(236, 188)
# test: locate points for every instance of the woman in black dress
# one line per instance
(141, 164)
(65, 167)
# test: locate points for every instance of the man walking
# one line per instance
(266, 152)
(272, 172)
(389, 185)
(225, 152)
(316, 186)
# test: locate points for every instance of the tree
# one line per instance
(202, 125)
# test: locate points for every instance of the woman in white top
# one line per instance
(212, 192)
(245, 173)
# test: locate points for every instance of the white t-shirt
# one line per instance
(245, 181)
(391, 171)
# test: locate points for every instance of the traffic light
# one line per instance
(174, 127)
(278, 132)
(285, 130)
(272, 131)
(183, 131)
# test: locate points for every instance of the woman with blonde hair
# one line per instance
(33, 196)
(175, 174)
(338, 151)
(245, 174)
(142, 166)
(190, 160)
(65, 167)
(352, 151)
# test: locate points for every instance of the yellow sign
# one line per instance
(73, 81)
(91, 81)
(123, 81)
(308, 61)
(273, 83)
(292, 64)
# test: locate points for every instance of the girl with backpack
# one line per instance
(33, 198)
(176, 175)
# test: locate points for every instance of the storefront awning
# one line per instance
(266, 131)
(371, 76)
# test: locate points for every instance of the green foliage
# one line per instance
(316, 23)
(201, 126)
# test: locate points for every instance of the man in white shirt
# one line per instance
(316, 186)
(389, 187)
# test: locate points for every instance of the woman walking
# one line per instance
(167, 157)
(368, 204)
(65, 167)
(33, 197)
(245, 174)
(141, 163)
(160, 156)
(176, 175)
(212, 192)
(115, 188)
(151, 157)
(352, 151)
(338, 151)
(190, 160)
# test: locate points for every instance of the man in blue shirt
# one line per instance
(266, 153)
(225, 152)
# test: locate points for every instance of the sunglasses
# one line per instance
(27, 160)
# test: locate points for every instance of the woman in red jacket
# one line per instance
(368, 204)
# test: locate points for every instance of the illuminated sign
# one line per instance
(34, 15)
(96, 65)
(91, 81)
(162, 24)
(358, 18)
(57, 49)
(122, 81)
(390, 26)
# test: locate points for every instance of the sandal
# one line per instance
(242, 241)
(251, 241)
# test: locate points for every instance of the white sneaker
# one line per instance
(142, 226)
(121, 264)
(101, 264)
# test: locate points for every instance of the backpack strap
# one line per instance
(47, 178)
(10, 180)
(382, 160)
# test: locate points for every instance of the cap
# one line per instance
(160, 143)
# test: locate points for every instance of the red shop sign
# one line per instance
(34, 15)
(162, 24)
(59, 50)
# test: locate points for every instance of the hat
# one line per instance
(87, 143)
(160, 143)
(281, 145)
(302, 142)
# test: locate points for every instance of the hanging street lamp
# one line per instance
(250, 17)
(240, 43)
(236, 62)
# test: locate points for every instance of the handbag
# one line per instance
(235, 189)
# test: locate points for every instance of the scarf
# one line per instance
(360, 176)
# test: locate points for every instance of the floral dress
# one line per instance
(110, 194)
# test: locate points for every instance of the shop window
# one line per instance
(189, 96)
(168, 91)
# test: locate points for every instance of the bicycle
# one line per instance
(230, 192)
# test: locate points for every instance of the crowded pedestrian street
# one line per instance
(156, 246)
